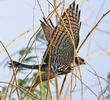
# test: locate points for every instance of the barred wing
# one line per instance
(66, 37)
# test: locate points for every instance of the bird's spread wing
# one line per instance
(66, 36)
(68, 26)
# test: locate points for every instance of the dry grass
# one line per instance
(76, 75)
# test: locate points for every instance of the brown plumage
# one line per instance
(64, 40)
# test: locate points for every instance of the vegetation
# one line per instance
(18, 87)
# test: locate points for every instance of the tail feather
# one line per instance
(19, 65)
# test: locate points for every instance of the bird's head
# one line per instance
(79, 61)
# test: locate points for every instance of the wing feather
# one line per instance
(64, 35)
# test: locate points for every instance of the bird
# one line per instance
(64, 40)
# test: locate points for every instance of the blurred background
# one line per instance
(19, 20)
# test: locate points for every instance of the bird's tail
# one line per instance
(19, 65)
